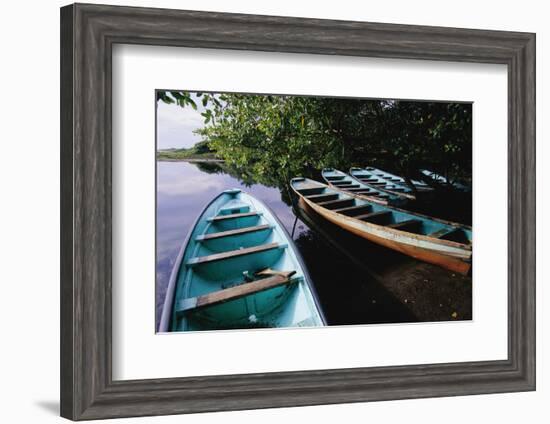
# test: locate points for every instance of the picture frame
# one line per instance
(88, 33)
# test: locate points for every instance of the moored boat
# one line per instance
(396, 179)
(239, 268)
(345, 182)
(376, 181)
(442, 181)
(432, 240)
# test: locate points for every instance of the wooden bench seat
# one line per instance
(333, 204)
(200, 260)
(353, 210)
(233, 216)
(374, 216)
(322, 197)
(440, 233)
(245, 230)
(231, 293)
(408, 224)
(355, 190)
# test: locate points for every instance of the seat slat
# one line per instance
(233, 216)
(405, 224)
(441, 233)
(353, 210)
(234, 253)
(354, 190)
(379, 214)
(321, 197)
(229, 233)
(332, 204)
(231, 293)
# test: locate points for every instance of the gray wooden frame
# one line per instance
(88, 33)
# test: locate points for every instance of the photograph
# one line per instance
(283, 211)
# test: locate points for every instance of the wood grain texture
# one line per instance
(88, 33)
(231, 293)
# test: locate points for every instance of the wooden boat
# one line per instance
(239, 268)
(442, 181)
(443, 243)
(343, 181)
(394, 179)
(375, 181)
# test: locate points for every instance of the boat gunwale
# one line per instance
(395, 231)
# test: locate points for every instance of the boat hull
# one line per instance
(434, 256)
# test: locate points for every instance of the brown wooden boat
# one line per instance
(432, 240)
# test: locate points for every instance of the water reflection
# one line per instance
(357, 282)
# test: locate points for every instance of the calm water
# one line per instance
(357, 282)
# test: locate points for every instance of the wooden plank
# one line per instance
(372, 215)
(318, 197)
(268, 272)
(233, 216)
(352, 210)
(405, 224)
(355, 190)
(231, 293)
(229, 233)
(441, 233)
(335, 203)
(233, 253)
(311, 190)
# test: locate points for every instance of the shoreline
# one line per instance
(190, 160)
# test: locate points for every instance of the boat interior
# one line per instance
(379, 179)
(347, 183)
(391, 177)
(239, 271)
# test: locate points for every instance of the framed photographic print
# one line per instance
(263, 212)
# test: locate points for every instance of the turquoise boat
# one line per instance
(393, 179)
(367, 176)
(442, 181)
(432, 240)
(343, 181)
(239, 269)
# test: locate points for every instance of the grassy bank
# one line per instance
(199, 152)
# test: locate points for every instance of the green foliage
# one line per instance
(274, 138)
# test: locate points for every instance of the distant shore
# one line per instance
(165, 159)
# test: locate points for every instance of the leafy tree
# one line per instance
(274, 138)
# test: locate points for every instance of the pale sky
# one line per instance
(175, 124)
